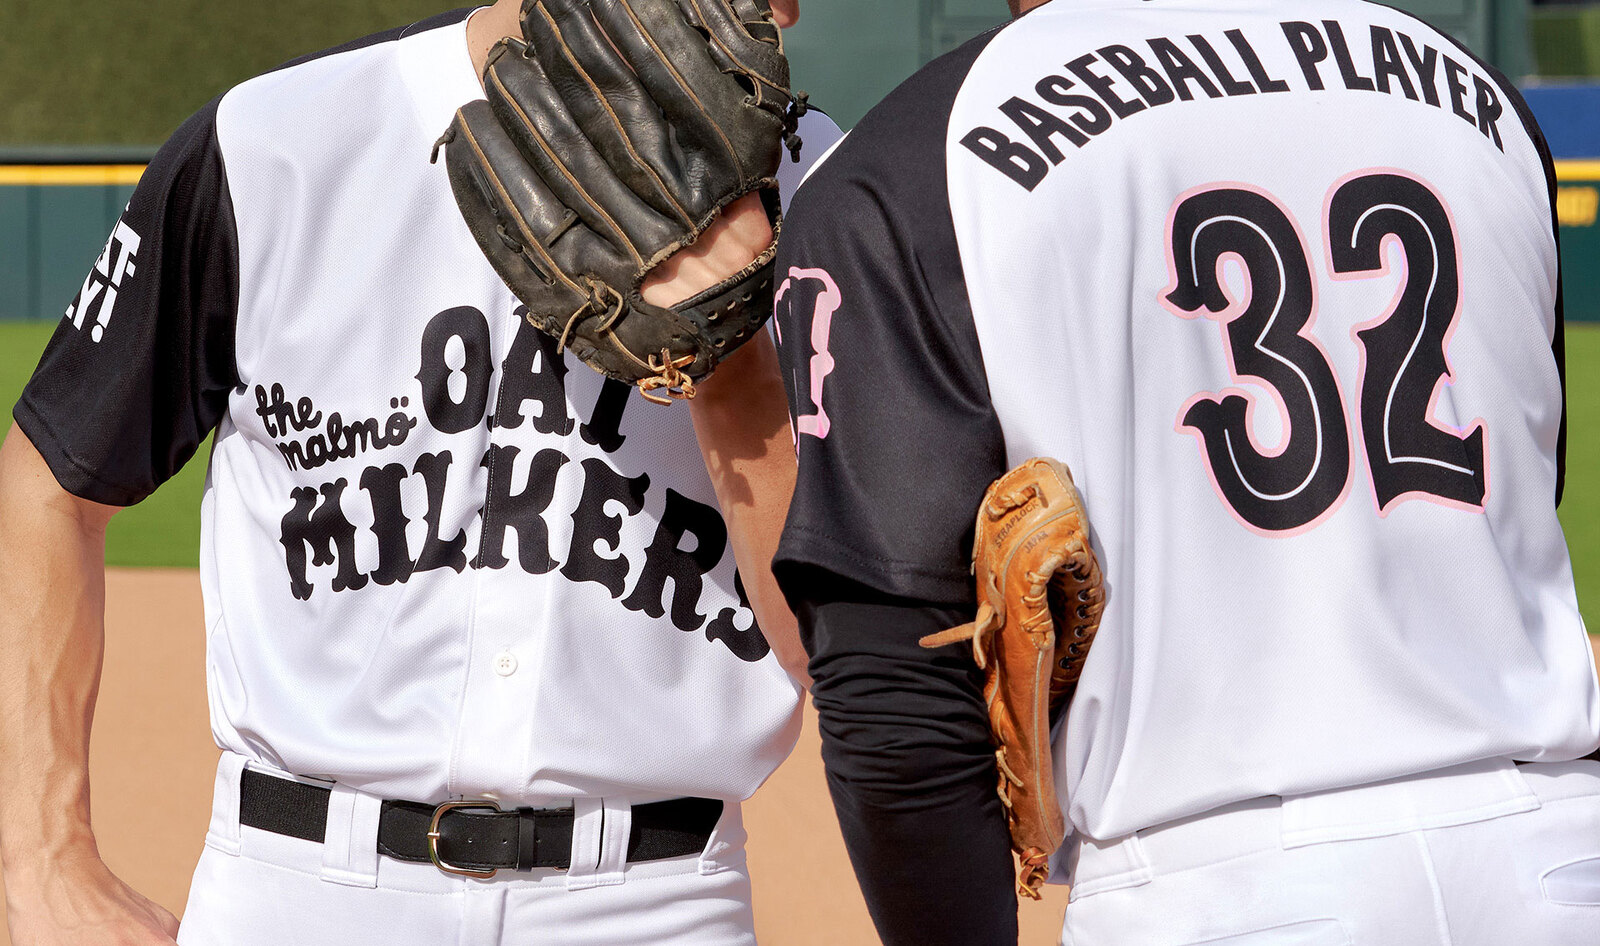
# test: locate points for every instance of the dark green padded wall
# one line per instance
(49, 237)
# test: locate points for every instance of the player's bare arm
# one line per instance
(52, 632)
(741, 418)
(742, 422)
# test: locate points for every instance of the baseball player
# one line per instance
(477, 656)
(1277, 280)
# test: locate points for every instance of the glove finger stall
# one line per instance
(605, 97)
(675, 63)
(756, 16)
(757, 64)
(513, 216)
(523, 230)
(532, 113)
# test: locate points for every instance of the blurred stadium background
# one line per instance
(88, 92)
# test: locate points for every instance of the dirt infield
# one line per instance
(152, 760)
(152, 753)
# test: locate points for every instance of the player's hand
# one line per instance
(79, 902)
(729, 245)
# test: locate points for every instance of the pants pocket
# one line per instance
(1574, 884)
(1302, 933)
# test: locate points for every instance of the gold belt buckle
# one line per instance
(433, 837)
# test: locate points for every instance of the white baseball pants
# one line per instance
(256, 888)
(1487, 854)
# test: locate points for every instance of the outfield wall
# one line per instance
(1577, 203)
(54, 219)
(56, 206)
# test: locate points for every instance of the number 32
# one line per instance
(1268, 339)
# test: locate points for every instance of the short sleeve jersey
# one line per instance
(1278, 282)
(439, 558)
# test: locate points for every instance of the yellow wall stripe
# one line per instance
(1578, 170)
(47, 175)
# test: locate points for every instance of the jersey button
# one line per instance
(505, 664)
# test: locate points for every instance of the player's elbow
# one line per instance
(882, 774)
(901, 735)
(901, 724)
(34, 500)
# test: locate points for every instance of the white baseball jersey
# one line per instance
(1278, 282)
(439, 559)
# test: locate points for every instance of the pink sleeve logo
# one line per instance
(827, 303)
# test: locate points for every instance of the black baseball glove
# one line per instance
(614, 133)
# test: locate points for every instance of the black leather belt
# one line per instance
(475, 838)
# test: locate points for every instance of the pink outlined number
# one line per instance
(828, 300)
(1403, 353)
(1267, 341)
(1404, 365)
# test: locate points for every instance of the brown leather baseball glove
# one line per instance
(612, 136)
(1039, 601)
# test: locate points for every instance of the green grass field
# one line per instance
(1580, 508)
(165, 529)
(139, 69)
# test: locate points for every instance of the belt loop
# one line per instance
(223, 833)
(600, 829)
(350, 845)
(1101, 866)
(725, 848)
(614, 836)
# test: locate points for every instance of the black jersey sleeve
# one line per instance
(896, 435)
(905, 742)
(897, 441)
(139, 371)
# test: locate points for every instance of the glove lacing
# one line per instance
(791, 122)
(668, 377)
(597, 302)
(665, 372)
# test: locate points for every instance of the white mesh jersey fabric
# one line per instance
(438, 558)
(1277, 281)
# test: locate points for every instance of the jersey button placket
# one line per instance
(485, 725)
(505, 653)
